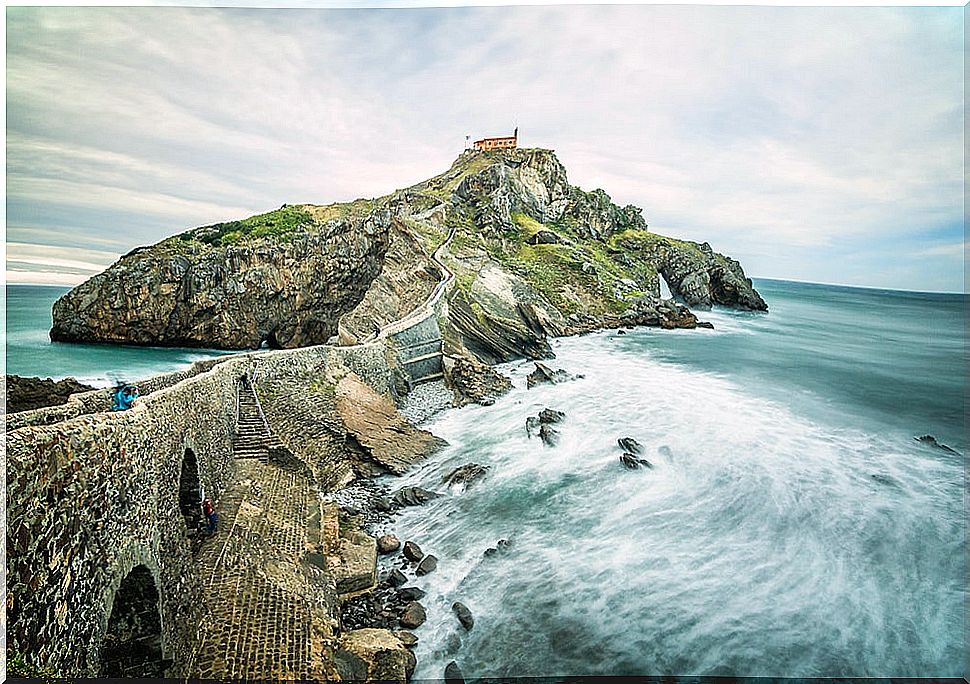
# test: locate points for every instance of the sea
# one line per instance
(31, 353)
(789, 524)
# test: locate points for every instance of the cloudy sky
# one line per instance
(821, 144)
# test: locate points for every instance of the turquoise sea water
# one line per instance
(791, 525)
(31, 353)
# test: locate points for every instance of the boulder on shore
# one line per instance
(27, 394)
(372, 655)
(413, 615)
(413, 496)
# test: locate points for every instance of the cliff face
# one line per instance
(282, 278)
(533, 256)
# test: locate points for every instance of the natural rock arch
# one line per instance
(132, 645)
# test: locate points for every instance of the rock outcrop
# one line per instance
(26, 394)
(531, 255)
(282, 278)
(381, 432)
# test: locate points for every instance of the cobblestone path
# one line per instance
(266, 609)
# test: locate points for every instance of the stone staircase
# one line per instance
(252, 435)
(419, 350)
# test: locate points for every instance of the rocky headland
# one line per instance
(533, 257)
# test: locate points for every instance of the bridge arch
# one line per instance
(190, 487)
(132, 642)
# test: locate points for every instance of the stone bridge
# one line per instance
(105, 576)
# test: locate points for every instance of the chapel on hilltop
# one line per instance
(507, 143)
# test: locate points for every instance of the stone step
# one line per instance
(429, 378)
(416, 359)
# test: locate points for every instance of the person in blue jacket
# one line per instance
(125, 397)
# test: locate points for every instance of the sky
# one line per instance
(821, 144)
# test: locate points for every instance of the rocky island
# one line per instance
(362, 306)
(532, 255)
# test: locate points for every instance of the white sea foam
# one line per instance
(760, 543)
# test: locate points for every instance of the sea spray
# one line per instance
(781, 531)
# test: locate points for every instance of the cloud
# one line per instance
(763, 130)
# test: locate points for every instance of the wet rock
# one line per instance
(532, 426)
(930, 440)
(413, 496)
(547, 416)
(548, 435)
(373, 654)
(466, 475)
(412, 552)
(427, 565)
(633, 462)
(388, 543)
(453, 674)
(464, 614)
(621, 331)
(501, 547)
(411, 594)
(413, 615)
(395, 578)
(472, 381)
(705, 324)
(631, 445)
(409, 639)
(545, 374)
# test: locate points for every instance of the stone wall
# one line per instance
(93, 494)
(91, 498)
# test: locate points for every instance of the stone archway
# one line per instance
(132, 645)
(190, 491)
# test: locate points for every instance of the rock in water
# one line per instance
(548, 415)
(388, 543)
(474, 382)
(532, 426)
(413, 615)
(548, 435)
(464, 615)
(453, 674)
(545, 374)
(633, 462)
(413, 496)
(427, 565)
(930, 440)
(466, 475)
(412, 552)
(395, 578)
(630, 444)
(411, 594)
(283, 278)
